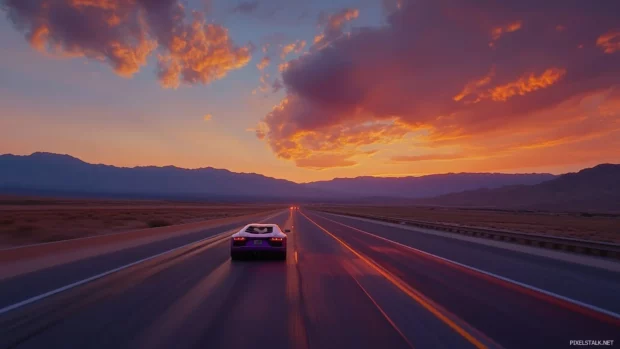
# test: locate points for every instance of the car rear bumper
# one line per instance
(243, 249)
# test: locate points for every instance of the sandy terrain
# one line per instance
(34, 220)
(587, 226)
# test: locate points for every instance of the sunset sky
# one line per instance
(312, 90)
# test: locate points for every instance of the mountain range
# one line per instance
(591, 189)
(47, 173)
(55, 173)
(426, 186)
(596, 188)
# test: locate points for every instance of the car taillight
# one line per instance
(239, 241)
(276, 242)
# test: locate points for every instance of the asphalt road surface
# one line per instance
(347, 283)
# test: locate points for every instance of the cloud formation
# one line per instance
(294, 47)
(497, 32)
(264, 63)
(246, 7)
(610, 41)
(433, 71)
(124, 33)
(333, 26)
(323, 161)
(427, 157)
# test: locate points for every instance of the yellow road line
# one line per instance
(415, 295)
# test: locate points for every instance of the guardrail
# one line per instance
(586, 247)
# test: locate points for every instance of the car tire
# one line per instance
(235, 256)
(282, 256)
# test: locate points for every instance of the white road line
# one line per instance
(529, 287)
(385, 315)
(98, 276)
(586, 260)
(106, 273)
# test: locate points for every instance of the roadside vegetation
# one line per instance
(44, 220)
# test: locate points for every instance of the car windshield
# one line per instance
(256, 229)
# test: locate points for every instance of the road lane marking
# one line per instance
(561, 255)
(428, 304)
(31, 300)
(385, 315)
(587, 306)
(106, 273)
(163, 327)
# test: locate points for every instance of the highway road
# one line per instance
(347, 283)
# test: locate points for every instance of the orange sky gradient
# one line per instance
(426, 87)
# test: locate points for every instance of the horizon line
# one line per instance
(298, 182)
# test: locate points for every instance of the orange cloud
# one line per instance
(527, 84)
(124, 33)
(282, 66)
(337, 20)
(305, 143)
(264, 63)
(200, 54)
(264, 84)
(323, 161)
(427, 157)
(385, 86)
(577, 120)
(130, 59)
(103, 4)
(207, 117)
(294, 47)
(497, 32)
(125, 58)
(474, 86)
(333, 26)
(39, 38)
(609, 42)
(545, 138)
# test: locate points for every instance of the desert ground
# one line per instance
(587, 226)
(35, 220)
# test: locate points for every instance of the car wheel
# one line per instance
(282, 256)
(235, 256)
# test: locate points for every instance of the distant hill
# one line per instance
(54, 174)
(58, 175)
(426, 186)
(591, 189)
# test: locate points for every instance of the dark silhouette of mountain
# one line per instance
(56, 175)
(591, 189)
(426, 186)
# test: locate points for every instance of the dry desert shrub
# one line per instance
(53, 220)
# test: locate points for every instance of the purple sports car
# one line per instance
(256, 239)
